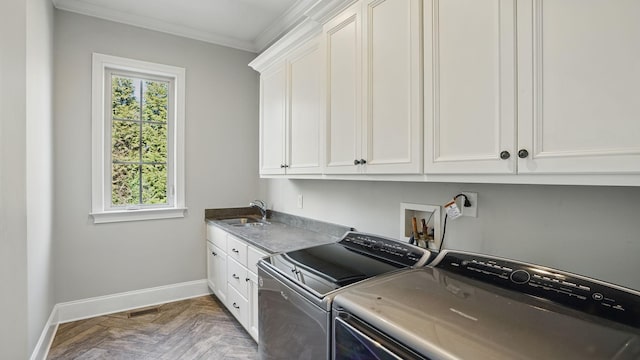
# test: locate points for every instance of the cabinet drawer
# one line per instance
(237, 277)
(253, 256)
(217, 236)
(239, 307)
(237, 250)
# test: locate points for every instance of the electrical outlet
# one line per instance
(300, 201)
(473, 209)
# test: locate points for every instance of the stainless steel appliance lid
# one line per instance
(358, 256)
(447, 316)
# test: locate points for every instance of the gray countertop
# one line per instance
(284, 233)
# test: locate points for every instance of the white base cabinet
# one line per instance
(233, 275)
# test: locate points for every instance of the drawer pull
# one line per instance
(247, 279)
(213, 253)
(236, 306)
(235, 276)
(235, 250)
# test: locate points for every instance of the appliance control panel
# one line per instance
(388, 249)
(580, 293)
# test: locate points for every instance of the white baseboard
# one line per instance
(109, 304)
(46, 338)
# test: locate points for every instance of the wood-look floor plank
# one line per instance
(194, 329)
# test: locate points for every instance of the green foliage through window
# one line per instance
(139, 138)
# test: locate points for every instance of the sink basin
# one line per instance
(245, 222)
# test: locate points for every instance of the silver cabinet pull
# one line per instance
(235, 250)
(236, 306)
(235, 276)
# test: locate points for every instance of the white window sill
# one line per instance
(137, 215)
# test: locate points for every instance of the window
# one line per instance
(138, 140)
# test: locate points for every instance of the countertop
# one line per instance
(284, 233)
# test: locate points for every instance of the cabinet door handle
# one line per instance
(523, 153)
(363, 161)
(235, 250)
(505, 155)
(282, 166)
(235, 276)
(356, 162)
(213, 253)
(247, 279)
(236, 306)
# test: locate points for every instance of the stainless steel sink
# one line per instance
(245, 222)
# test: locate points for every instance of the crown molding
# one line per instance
(101, 12)
(299, 22)
(298, 35)
(291, 18)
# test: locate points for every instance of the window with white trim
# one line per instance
(138, 140)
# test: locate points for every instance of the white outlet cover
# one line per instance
(471, 211)
(300, 201)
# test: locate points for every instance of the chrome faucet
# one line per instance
(261, 206)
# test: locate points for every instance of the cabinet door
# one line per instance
(342, 56)
(305, 111)
(217, 271)
(239, 307)
(253, 305)
(469, 77)
(578, 79)
(237, 277)
(392, 126)
(272, 119)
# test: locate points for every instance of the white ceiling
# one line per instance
(243, 24)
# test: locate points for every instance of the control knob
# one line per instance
(520, 277)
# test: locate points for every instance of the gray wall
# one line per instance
(26, 180)
(13, 204)
(39, 153)
(221, 161)
(592, 231)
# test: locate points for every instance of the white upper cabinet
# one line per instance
(574, 110)
(272, 119)
(343, 91)
(470, 102)
(290, 116)
(373, 88)
(304, 123)
(578, 76)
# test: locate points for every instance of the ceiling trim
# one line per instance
(153, 24)
(292, 17)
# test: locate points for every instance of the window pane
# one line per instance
(154, 184)
(125, 186)
(154, 142)
(125, 141)
(125, 103)
(155, 101)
